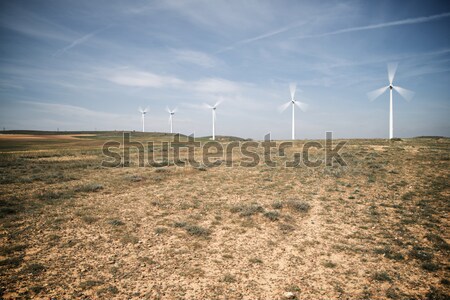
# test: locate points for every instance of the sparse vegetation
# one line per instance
(70, 227)
(272, 215)
(245, 210)
(88, 188)
(197, 230)
(382, 276)
(298, 205)
(115, 222)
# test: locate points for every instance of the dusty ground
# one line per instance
(376, 229)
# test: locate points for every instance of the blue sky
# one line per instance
(85, 65)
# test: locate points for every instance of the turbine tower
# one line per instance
(171, 113)
(213, 109)
(143, 112)
(293, 102)
(406, 94)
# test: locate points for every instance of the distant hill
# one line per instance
(226, 138)
(97, 133)
(430, 137)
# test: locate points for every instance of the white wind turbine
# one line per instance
(293, 102)
(171, 113)
(143, 112)
(213, 109)
(406, 94)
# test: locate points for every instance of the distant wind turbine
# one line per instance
(213, 109)
(143, 112)
(293, 102)
(406, 94)
(171, 113)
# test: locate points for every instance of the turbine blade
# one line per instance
(301, 105)
(292, 88)
(175, 110)
(140, 110)
(146, 109)
(377, 93)
(283, 107)
(206, 105)
(392, 68)
(218, 102)
(168, 109)
(407, 94)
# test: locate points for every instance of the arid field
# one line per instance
(377, 228)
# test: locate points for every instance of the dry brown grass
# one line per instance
(376, 229)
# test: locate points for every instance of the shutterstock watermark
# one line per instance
(185, 151)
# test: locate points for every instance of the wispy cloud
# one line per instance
(33, 25)
(194, 57)
(79, 41)
(68, 110)
(381, 25)
(141, 79)
(216, 86)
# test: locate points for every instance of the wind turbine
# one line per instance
(213, 109)
(143, 112)
(293, 102)
(406, 94)
(171, 113)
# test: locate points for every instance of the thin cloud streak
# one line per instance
(260, 37)
(381, 25)
(79, 41)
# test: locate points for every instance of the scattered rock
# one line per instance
(289, 295)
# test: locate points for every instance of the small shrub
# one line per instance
(389, 253)
(429, 266)
(160, 230)
(298, 205)
(436, 294)
(54, 195)
(90, 284)
(229, 278)
(88, 188)
(408, 195)
(329, 264)
(197, 230)
(180, 224)
(382, 276)
(255, 261)
(247, 210)
(6, 250)
(134, 178)
(89, 219)
(129, 239)
(33, 269)
(115, 222)
(277, 205)
(11, 262)
(286, 228)
(272, 215)
(392, 293)
(420, 254)
(439, 242)
(37, 289)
